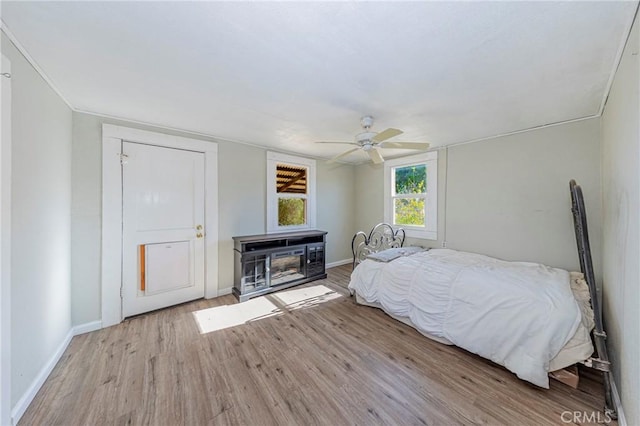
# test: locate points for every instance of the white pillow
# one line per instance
(393, 253)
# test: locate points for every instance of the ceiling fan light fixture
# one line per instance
(369, 142)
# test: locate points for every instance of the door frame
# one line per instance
(5, 245)
(111, 274)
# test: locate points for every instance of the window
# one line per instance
(410, 194)
(290, 192)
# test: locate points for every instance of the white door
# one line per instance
(163, 227)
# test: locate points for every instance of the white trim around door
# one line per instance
(112, 138)
(5, 244)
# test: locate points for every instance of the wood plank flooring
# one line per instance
(335, 363)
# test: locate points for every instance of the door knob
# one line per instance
(199, 235)
(199, 227)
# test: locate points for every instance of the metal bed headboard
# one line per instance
(381, 237)
(586, 265)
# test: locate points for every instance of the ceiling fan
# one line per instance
(370, 142)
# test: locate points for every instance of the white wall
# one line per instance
(369, 195)
(41, 201)
(242, 201)
(508, 197)
(86, 210)
(336, 207)
(621, 230)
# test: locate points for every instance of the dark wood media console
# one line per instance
(270, 262)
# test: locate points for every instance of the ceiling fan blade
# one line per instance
(346, 143)
(405, 145)
(375, 156)
(337, 157)
(386, 134)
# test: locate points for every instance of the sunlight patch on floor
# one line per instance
(305, 297)
(226, 316)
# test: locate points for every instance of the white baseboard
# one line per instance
(622, 421)
(87, 327)
(224, 291)
(23, 403)
(338, 263)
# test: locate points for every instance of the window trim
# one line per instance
(430, 159)
(273, 158)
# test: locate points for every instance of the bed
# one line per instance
(530, 318)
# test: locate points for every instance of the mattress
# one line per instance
(527, 317)
(577, 349)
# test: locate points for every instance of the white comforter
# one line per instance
(516, 314)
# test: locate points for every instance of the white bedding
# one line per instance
(519, 315)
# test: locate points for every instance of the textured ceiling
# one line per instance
(286, 74)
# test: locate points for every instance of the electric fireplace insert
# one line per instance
(270, 262)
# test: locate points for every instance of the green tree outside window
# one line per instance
(291, 211)
(410, 180)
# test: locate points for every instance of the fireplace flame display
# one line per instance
(287, 267)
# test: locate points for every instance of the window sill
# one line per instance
(289, 228)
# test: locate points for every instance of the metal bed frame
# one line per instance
(601, 360)
(381, 237)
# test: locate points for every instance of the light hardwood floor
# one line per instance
(334, 363)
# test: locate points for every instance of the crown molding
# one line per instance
(5, 29)
(214, 138)
(618, 60)
(500, 135)
(530, 129)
